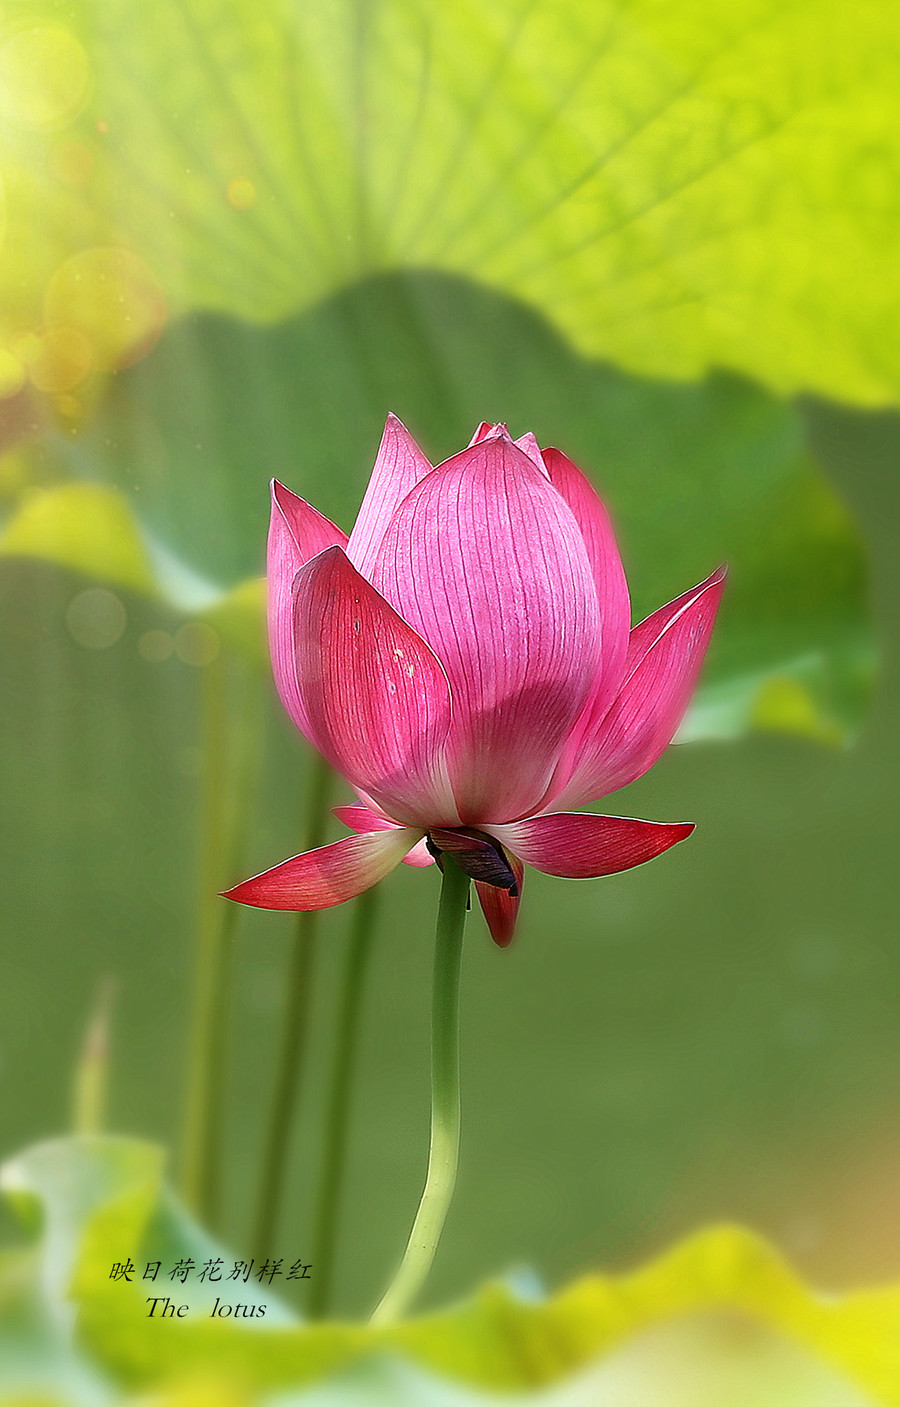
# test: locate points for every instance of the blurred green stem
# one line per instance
(91, 1083)
(289, 1071)
(231, 734)
(443, 1157)
(337, 1120)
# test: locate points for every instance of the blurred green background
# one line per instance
(233, 243)
(711, 1036)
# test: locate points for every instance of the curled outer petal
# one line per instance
(478, 855)
(501, 906)
(665, 653)
(297, 532)
(375, 695)
(364, 821)
(579, 845)
(319, 879)
(486, 562)
(399, 466)
(497, 874)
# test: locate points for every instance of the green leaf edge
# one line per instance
(491, 1340)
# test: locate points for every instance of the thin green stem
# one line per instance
(444, 1153)
(230, 747)
(211, 1119)
(291, 1057)
(210, 918)
(334, 1158)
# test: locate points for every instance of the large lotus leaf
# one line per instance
(704, 1361)
(38, 1364)
(92, 530)
(720, 1313)
(694, 474)
(675, 186)
(84, 1193)
(85, 527)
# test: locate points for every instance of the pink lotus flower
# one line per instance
(466, 661)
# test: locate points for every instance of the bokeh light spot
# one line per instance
(197, 643)
(72, 163)
(156, 646)
(96, 618)
(58, 358)
(45, 77)
(241, 193)
(12, 374)
(113, 297)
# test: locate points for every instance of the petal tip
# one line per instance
(279, 492)
(239, 893)
(395, 427)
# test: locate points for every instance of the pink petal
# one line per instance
(297, 532)
(500, 908)
(485, 560)
(375, 696)
(665, 653)
(319, 879)
(364, 822)
(419, 857)
(609, 579)
(399, 466)
(579, 846)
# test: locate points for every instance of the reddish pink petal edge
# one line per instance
(297, 533)
(311, 531)
(319, 879)
(665, 655)
(593, 519)
(579, 845)
(653, 628)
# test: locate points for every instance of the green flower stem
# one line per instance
(230, 747)
(337, 1119)
(289, 1070)
(444, 1153)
